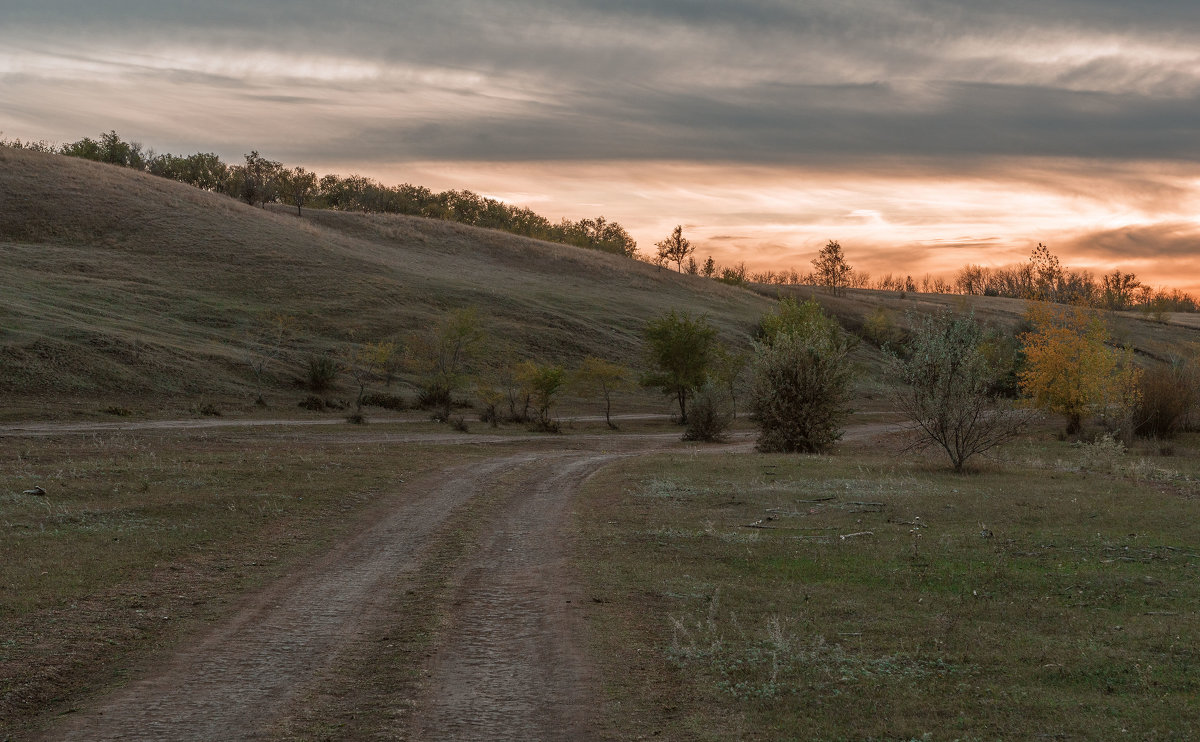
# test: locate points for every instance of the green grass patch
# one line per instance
(854, 597)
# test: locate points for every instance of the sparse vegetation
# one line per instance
(322, 371)
(599, 378)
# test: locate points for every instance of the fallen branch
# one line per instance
(868, 504)
(845, 536)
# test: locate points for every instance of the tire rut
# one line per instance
(511, 664)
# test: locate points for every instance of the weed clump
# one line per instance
(387, 401)
(321, 373)
(709, 419)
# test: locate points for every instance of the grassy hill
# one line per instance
(122, 286)
(121, 289)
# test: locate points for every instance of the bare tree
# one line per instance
(675, 248)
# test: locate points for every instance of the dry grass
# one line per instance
(1034, 599)
(125, 289)
(140, 537)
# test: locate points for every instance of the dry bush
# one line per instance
(709, 417)
(1167, 396)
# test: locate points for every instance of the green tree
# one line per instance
(831, 269)
(675, 248)
(943, 383)
(679, 350)
(296, 185)
(801, 379)
(442, 356)
(544, 382)
(597, 377)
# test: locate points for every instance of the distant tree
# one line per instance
(202, 170)
(1118, 289)
(442, 355)
(601, 234)
(596, 377)
(1047, 274)
(692, 268)
(675, 248)
(709, 269)
(1069, 370)
(109, 148)
(831, 268)
(943, 382)
(679, 350)
(254, 182)
(801, 379)
(296, 185)
(544, 382)
(735, 276)
(265, 345)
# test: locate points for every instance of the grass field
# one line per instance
(1051, 595)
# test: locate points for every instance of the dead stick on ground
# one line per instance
(845, 536)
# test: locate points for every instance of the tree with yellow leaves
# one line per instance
(1069, 368)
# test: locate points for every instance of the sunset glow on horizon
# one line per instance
(921, 135)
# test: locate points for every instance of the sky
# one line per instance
(921, 134)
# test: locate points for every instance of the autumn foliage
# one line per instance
(1069, 368)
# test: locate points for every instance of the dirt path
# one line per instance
(512, 665)
(508, 664)
(225, 685)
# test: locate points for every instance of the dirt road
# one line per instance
(504, 660)
(508, 666)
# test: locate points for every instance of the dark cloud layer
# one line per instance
(762, 81)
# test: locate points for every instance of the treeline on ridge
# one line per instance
(259, 181)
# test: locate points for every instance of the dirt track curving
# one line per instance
(507, 661)
(509, 665)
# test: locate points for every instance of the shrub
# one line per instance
(879, 328)
(435, 396)
(1165, 402)
(387, 401)
(801, 381)
(710, 416)
(312, 402)
(322, 372)
(943, 385)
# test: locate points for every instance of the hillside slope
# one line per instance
(118, 285)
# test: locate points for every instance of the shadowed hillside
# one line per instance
(119, 285)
